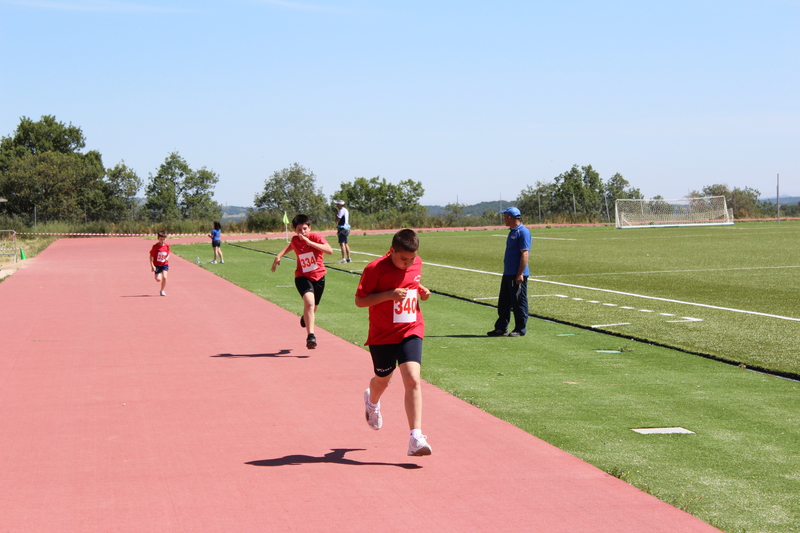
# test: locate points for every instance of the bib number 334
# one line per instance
(406, 311)
(307, 262)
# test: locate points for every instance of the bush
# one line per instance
(261, 221)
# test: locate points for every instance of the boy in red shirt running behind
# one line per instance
(159, 260)
(390, 287)
(309, 277)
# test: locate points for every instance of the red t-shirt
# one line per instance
(159, 252)
(309, 259)
(390, 322)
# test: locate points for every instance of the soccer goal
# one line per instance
(707, 211)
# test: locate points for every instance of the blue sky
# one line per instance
(476, 100)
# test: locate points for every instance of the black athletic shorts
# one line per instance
(305, 285)
(386, 357)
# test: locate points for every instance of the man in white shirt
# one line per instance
(343, 230)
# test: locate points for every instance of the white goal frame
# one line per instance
(705, 211)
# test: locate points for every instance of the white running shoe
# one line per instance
(373, 415)
(419, 447)
(212, 262)
(163, 293)
(340, 261)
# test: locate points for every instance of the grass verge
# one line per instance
(31, 246)
(583, 391)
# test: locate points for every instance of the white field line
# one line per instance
(542, 238)
(707, 306)
(677, 271)
(669, 300)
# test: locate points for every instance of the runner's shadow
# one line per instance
(282, 353)
(335, 456)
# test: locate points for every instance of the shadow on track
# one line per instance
(335, 456)
(282, 353)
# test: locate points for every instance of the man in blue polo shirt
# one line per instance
(514, 286)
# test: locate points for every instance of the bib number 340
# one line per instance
(406, 311)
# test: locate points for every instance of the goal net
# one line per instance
(708, 211)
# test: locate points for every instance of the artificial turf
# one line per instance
(582, 390)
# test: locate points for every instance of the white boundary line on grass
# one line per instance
(743, 311)
(680, 271)
(669, 300)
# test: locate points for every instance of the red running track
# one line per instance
(121, 410)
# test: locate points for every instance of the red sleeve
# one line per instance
(368, 281)
(318, 238)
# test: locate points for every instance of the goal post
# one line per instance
(706, 211)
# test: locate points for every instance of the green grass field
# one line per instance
(583, 390)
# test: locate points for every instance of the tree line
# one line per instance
(47, 178)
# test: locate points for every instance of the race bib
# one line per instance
(406, 311)
(161, 257)
(307, 262)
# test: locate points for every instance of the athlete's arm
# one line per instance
(398, 295)
(280, 254)
(323, 247)
(424, 293)
(523, 262)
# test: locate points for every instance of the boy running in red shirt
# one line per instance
(309, 277)
(159, 260)
(390, 287)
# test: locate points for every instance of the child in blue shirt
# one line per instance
(216, 236)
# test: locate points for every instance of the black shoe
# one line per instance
(516, 334)
(311, 342)
(302, 321)
(496, 333)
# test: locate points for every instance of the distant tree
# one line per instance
(41, 169)
(579, 190)
(744, 202)
(658, 203)
(123, 185)
(363, 195)
(569, 187)
(592, 193)
(45, 135)
(196, 192)
(177, 192)
(293, 190)
(537, 202)
(408, 194)
(163, 189)
(455, 209)
(617, 188)
(377, 196)
(719, 189)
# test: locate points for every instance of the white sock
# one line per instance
(416, 433)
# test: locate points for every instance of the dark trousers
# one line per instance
(513, 297)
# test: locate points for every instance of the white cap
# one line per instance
(339, 202)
